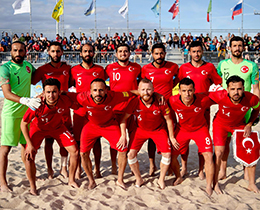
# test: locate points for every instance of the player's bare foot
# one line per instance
(121, 184)
(217, 189)
(222, 175)
(33, 192)
(78, 174)
(92, 185)
(73, 184)
(161, 184)
(152, 170)
(253, 187)
(97, 174)
(201, 175)
(177, 181)
(5, 188)
(50, 174)
(209, 190)
(183, 172)
(139, 183)
(64, 172)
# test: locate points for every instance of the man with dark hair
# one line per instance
(190, 108)
(161, 73)
(203, 74)
(123, 76)
(15, 80)
(47, 121)
(233, 106)
(61, 71)
(99, 104)
(151, 123)
(81, 77)
(245, 69)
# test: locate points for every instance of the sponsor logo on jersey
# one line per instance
(28, 69)
(49, 73)
(225, 107)
(150, 73)
(225, 69)
(79, 74)
(244, 69)
(178, 110)
(115, 69)
(89, 107)
(139, 110)
(187, 72)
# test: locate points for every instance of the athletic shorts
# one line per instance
(78, 124)
(11, 132)
(62, 136)
(91, 132)
(160, 138)
(201, 137)
(220, 132)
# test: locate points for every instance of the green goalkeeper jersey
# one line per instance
(19, 77)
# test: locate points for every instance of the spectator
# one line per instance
(111, 45)
(164, 41)
(90, 40)
(138, 53)
(22, 38)
(143, 34)
(170, 40)
(72, 36)
(35, 37)
(1, 48)
(124, 38)
(130, 36)
(104, 53)
(27, 37)
(36, 49)
(15, 38)
(84, 40)
(41, 37)
(139, 41)
(176, 40)
(156, 34)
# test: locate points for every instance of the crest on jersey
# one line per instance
(28, 69)
(244, 69)
(246, 149)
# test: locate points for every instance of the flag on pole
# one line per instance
(237, 9)
(174, 9)
(124, 9)
(21, 6)
(91, 9)
(156, 8)
(58, 11)
(209, 9)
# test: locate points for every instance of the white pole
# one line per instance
(57, 23)
(127, 23)
(95, 35)
(160, 18)
(179, 21)
(30, 18)
(211, 22)
(242, 19)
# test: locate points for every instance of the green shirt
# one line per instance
(247, 70)
(19, 77)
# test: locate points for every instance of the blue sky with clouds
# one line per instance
(192, 15)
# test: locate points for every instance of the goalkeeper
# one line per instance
(15, 80)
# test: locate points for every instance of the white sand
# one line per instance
(56, 194)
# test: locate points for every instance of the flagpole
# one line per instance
(57, 23)
(127, 23)
(95, 35)
(63, 34)
(242, 19)
(30, 17)
(211, 21)
(160, 17)
(179, 20)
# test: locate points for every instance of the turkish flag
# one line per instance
(246, 150)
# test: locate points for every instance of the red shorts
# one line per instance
(62, 136)
(220, 132)
(160, 138)
(78, 123)
(201, 137)
(91, 132)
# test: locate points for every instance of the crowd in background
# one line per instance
(140, 45)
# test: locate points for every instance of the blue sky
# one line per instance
(193, 15)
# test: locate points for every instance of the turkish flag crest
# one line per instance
(28, 69)
(246, 150)
(244, 69)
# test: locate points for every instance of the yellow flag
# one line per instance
(58, 10)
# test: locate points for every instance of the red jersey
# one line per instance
(83, 77)
(203, 76)
(191, 118)
(232, 114)
(48, 71)
(102, 114)
(151, 118)
(123, 78)
(47, 119)
(162, 78)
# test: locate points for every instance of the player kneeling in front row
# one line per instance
(190, 108)
(46, 121)
(151, 124)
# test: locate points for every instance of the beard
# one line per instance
(18, 59)
(55, 61)
(88, 60)
(123, 61)
(237, 55)
(159, 61)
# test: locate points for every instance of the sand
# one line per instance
(56, 194)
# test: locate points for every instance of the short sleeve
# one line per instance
(219, 69)
(81, 97)
(217, 95)
(131, 106)
(215, 77)
(4, 75)
(28, 116)
(165, 110)
(255, 74)
(37, 76)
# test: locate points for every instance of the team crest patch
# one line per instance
(244, 69)
(28, 69)
(125, 94)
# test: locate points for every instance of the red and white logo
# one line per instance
(244, 69)
(246, 150)
(28, 69)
